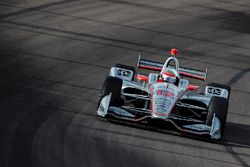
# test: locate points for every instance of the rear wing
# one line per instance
(183, 71)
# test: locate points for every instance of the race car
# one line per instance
(165, 97)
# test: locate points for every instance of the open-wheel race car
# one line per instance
(165, 97)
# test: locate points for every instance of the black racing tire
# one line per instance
(219, 107)
(112, 85)
(126, 67)
(228, 88)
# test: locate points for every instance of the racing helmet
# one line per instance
(168, 77)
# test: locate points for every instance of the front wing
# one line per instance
(143, 116)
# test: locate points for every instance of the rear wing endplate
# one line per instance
(183, 71)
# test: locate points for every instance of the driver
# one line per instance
(168, 77)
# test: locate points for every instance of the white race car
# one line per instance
(165, 98)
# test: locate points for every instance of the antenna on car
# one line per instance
(174, 52)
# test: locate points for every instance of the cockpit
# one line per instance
(170, 71)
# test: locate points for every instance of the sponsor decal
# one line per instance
(167, 93)
(123, 72)
(159, 92)
(163, 100)
(214, 91)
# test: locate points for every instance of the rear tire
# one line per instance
(219, 107)
(112, 85)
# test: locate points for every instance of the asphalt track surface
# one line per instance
(54, 56)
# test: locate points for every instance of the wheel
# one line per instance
(126, 67)
(219, 107)
(228, 88)
(112, 85)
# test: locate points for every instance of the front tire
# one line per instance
(219, 107)
(112, 85)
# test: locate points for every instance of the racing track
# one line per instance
(54, 56)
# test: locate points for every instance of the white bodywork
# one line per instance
(163, 97)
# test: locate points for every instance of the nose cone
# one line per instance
(163, 100)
